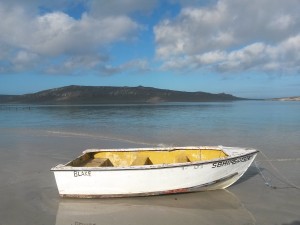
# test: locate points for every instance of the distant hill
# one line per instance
(8, 98)
(112, 95)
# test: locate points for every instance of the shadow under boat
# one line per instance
(251, 172)
(211, 207)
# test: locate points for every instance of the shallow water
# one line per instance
(270, 126)
(35, 138)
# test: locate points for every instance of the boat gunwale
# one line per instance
(63, 167)
(160, 149)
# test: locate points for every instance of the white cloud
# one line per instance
(283, 56)
(195, 30)
(77, 64)
(24, 59)
(134, 66)
(95, 64)
(27, 36)
(283, 22)
(57, 33)
(65, 35)
(211, 57)
(222, 35)
(232, 36)
(137, 65)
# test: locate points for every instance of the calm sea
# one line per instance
(267, 125)
(34, 138)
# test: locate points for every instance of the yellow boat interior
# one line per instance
(145, 157)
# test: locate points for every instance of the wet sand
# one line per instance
(28, 193)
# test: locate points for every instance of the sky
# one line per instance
(241, 47)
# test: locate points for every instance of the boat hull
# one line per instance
(151, 180)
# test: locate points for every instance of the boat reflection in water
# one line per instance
(212, 207)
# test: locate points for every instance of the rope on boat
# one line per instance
(280, 176)
(267, 180)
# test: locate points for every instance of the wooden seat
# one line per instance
(99, 162)
(139, 161)
(182, 159)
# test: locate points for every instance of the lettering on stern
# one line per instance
(231, 161)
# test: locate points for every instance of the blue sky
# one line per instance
(245, 48)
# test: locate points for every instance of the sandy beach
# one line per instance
(29, 194)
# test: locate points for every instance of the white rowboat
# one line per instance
(99, 173)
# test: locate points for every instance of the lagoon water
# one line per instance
(34, 138)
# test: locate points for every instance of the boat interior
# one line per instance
(145, 157)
